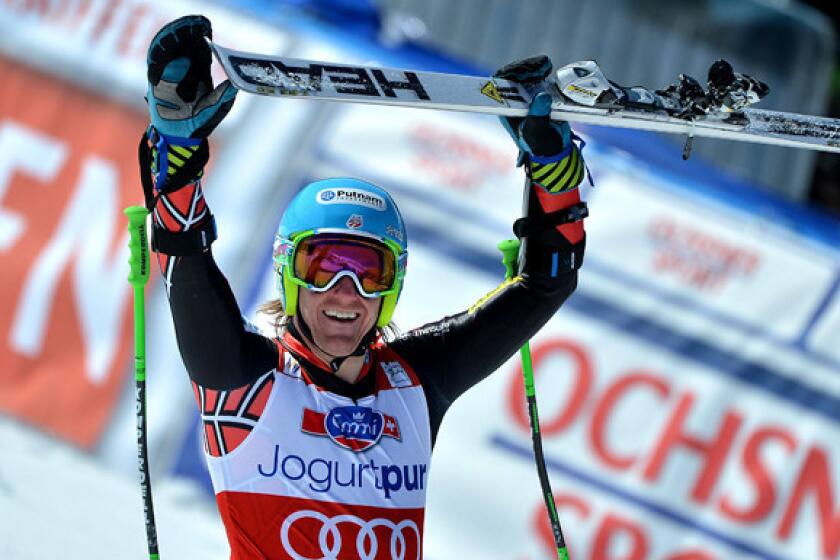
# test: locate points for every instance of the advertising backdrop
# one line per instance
(689, 389)
(66, 171)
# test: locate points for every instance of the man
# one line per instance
(318, 440)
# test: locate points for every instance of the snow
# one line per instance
(58, 502)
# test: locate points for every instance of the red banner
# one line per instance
(67, 168)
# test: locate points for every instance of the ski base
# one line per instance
(308, 79)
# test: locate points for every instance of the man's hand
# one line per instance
(182, 101)
(535, 134)
(552, 228)
(554, 162)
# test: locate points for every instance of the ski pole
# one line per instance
(510, 251)
(137, 277)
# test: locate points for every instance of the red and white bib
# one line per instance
(318, 475)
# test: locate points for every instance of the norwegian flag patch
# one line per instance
(356, 428)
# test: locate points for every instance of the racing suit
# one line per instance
(304, 464)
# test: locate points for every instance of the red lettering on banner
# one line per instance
(814, 479)
(606, 404)
(615, 537)
(697, 257)
(456, 158)
(765, 488)
(133, 41)
(691, 555)
(714, 452)
(67, 168)
(562, 502)
(105, 19)
(575, 400)
(781, 499)
(614, 528)
(124, 28)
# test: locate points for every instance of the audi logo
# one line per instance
(367, 544)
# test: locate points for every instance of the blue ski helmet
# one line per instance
(346, 206)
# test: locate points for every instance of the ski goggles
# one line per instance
(318, 261)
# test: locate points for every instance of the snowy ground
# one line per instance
(56, 502)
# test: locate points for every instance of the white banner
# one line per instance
(102, 44)
(689, 393)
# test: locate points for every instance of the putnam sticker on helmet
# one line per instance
(352, 196)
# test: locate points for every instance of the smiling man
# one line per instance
(319, 437)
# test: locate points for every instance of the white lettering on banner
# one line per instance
(366, 543)
(86, 229)
(23, 150)
(748, 468)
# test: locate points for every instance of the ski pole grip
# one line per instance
(138, 245)
(510, 252)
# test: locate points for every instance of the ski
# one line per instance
(581, 94)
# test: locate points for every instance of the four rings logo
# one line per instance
(357, 197)
(403, 534)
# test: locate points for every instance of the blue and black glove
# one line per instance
(183, 105)
(553, 159)
(552, 233)
(182, 101)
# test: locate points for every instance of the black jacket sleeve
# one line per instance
(455, 353)
(217, 346)
(219, 349)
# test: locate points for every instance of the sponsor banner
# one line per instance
(684, 415)
(823, 332)
(654, 450)
(652, 454)
(446, 163)
(728, 263)
(99, 46)
(102, 44)
(695, 258)
(67, 169)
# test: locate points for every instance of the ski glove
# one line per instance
(554, 161)
(552, 233)
(182, 101)
(183, 106)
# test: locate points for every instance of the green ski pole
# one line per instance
(510, 252)
(138, 277)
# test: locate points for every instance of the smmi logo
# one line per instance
(66, 171)
(356, 428)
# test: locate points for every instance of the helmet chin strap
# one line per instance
(299, 324)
